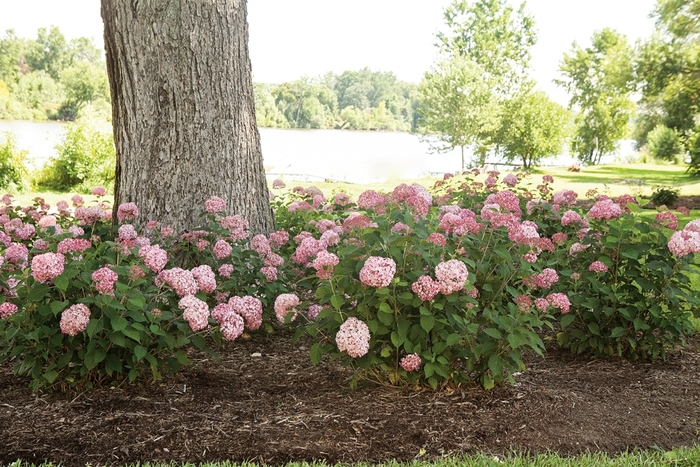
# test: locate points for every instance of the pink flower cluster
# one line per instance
(154, 257)
(215, 205)
(181, 280)
(370, 199)
(74, 319)
(324, 264)
(426, 288)
(353, 337)
(543, 280)
(560, 301)
(605, 209)
(507, 200)
(598, 266)
(524, 303)
(73, 245)
(410, 362)
(279, 238)
(127, 211)
(47, 266)
(250, 308)
(510, 180)
(667, 219)
(196, 312)
(686, 241)
(564, 198)
(237, 225)
(105, 279)
(278, 184)
(451, 276)
(378, 272)
(284, 304)
(205, 277)
(7, 309)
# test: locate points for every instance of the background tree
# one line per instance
(599, 80)
(532, 126)
(183, 112)
(459, 107)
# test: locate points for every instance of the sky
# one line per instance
(289, 39)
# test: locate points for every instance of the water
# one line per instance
(307, 155)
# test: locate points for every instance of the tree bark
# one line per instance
(183, 111)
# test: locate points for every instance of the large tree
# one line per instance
(183, 112)
(599, 79)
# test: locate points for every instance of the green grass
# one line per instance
(681, 457)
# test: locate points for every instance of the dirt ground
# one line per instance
(265, 402)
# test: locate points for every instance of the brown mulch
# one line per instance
(265, 402)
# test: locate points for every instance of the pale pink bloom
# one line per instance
(313, 312)
(136, 272)
(250, 308)
(410, 362)
(324, 264)
(402, 192)
(152, 225)
(353, 337)
(202, 244)
(530, 257)
(225, 270)
(419, 205)
(330, 237)
(39, 244)
(73, 245)
(278, 184)
(299, 206)
(99, 191)
(214, 205)
(426, 288)
(605, 209)
(7, 309)
(564, 198)
(206, 280)
(279, 238)
(560, 238)
(401, 228)
(577, 248)
(543, 280)
(318, 200)
(560, 301)
(260, 244)
(273, 259)
(575, 276)
(451, 275)
(76, 231)
(510, 180)
(355, 220)
(437, 238)
(154, 257)
(74, 319)
(683, 210)
(232, 327)
(541, 304)
(507, 200)
(270, 273)
(378, 272)
(47, 266)
(533, 204)
(547, 179)
(598, 266)
(284, 304)
(105, 279)
(341, 199)
(667, 219)
(166, 232)
(47, 221)
(127, 211)
(196, 312)
(693, 225)
(235, 224)
(308, 248)
(77, 200)
(370, 199)
(684, 242)
(17, 253)
(7, 199)
(524, 302)
(570, 217)
(88, 216)
(222, 249)
(127, 232)
(312, 191)
(182, 281)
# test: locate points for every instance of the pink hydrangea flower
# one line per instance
(270, 273)
(605, 209)
(182, 281)
(260, 244)
(510, 180)
(324, 264)
(313, 312)
(426, 288)
(341, 199)
(77, 200)
(667, 219)
(17, 253)
(560, 301)
(214, 205)
(564, 198)
(99, 191)
(284, 304)
(225, 270)
(598, 266)
(543, 280)
(524, 303)
(206, 280)
(154, 257)
(560, 238)
(279, 238)
(278, 184)
(451, 275)
(410, 362)
(105, 279)
(250, 308)
(370, 199)
(353, 337)
(7, 309)
(47, 266)
(684, 242)
(436, 238)
(378, 272)
(127, 232)
(570, 217)
(196, 312)
(232, 327)
(136, 272)
(547, 179)
(127, 211)
(74, 319)
(222, 249)
(541, 304)
(73, 245)
(577, 248)
(237, 225)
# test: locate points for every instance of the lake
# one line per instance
(303, 155)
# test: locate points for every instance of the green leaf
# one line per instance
(336, 301)
(640, 325)
(50, 376)
(487, 382)
(61, 282)
(493, 332)
(94, 357)
(136, 303)
(132, 333)
(427, 323)
(119, 323)
(316, 353)
(517, 340)
(397, 340)
(117, 338)
(496, 365)
(57, 307)
(618, 332)
(594, 328)
(38, 292)
(452, 339)
(567, 320)
(140, 352)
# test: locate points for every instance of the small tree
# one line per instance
(12, 168)
(664, 143)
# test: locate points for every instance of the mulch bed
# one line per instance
(265, 402)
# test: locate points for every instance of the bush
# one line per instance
(664, 196)
(86, 158)
(664, 143)
(12, 163)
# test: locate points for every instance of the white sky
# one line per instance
(294, 38)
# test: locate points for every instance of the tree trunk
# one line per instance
(183, 111)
